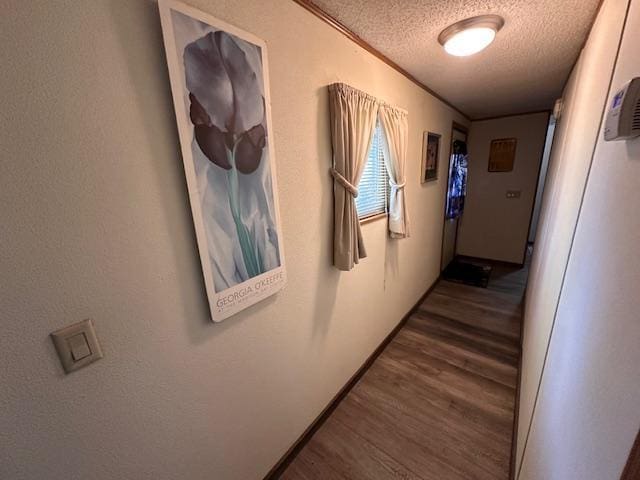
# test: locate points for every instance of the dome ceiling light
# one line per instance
(471, 35)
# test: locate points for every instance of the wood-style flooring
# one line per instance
(438, 403)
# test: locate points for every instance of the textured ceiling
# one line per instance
(523, 70)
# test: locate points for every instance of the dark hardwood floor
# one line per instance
(438, 403)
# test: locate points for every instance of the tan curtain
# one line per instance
(396, 136)
(353, 119)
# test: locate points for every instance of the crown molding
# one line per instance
(328, 19)
(522, 114)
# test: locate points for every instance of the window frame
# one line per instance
(372, 217)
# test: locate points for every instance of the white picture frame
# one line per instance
(244, 269)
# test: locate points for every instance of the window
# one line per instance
(373, 189)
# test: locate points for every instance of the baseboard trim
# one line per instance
(279, 468)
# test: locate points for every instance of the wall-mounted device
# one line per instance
(513, 193)
(623, 117)
(558, 107)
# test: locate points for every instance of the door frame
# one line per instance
(465, 131)
(632, 468)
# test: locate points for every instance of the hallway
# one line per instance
(233, 232)
(438, 403)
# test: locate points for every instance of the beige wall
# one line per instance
(492, 225)
(577, 130)
(96, 223)
(587, 414)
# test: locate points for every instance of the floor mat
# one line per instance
(471, 273)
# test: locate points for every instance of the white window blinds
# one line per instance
(373, 189)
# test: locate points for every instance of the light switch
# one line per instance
(77, 345)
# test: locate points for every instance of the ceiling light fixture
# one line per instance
(471, 35)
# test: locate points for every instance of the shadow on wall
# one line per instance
(633, 150)
(391, 266)
(325, 298)
(154, 102)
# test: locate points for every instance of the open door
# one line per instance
(450, 226)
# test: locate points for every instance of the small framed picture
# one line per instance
(430, 156)
(502, 154)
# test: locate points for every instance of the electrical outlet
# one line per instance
(513, 193)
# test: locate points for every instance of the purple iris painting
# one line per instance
(224, 96)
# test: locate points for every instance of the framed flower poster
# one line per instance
(430, 154)
(220, 92)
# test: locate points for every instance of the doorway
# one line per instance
(450, 226)
(542, 178)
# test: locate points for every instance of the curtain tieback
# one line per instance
(348, 186)
(399, 185)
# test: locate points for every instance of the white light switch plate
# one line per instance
(77, 345)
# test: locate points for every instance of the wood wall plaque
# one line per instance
(502, 154)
